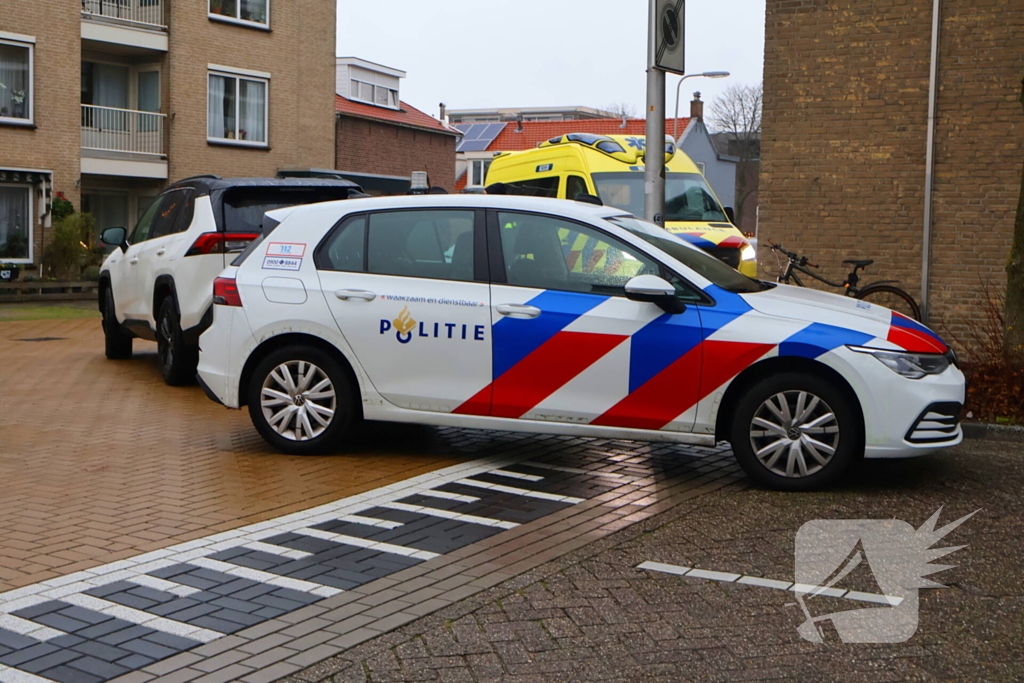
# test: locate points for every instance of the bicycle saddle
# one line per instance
(859, 264)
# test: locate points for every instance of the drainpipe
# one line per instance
(929, 163)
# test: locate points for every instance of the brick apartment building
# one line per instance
(108, 100)
(843, 156)
(382, 140)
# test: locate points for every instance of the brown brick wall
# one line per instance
(55, 141)
(298, 52)
(371, 147)
(843, 151)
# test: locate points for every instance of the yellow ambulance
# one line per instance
(612, 167)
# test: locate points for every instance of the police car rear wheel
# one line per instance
(301, 400)
(795, 432)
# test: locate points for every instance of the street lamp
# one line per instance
(706, 74)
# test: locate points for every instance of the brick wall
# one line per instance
(843, 149)
(298, 52)
(54, 143)
(365, 146)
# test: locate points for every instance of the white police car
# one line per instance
(470, 311)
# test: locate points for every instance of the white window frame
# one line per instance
(702, 167)
(31, 225)
(28, 42)
(484, 163)
(355, 96)
(239, 75)
(238, 19)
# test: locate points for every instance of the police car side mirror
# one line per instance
(655, 290)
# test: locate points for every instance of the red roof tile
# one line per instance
(535, 132)
(408, 115)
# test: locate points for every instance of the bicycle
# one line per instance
(882, 292)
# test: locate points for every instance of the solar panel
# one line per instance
(478, 136)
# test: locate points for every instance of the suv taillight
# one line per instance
(225, 292)
(220, 243)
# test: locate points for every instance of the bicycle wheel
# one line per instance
(892, 298)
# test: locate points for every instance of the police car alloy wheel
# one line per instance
(301, 400)
(795, 432)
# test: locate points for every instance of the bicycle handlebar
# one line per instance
(800, 260)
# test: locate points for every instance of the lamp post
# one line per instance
(706, 74)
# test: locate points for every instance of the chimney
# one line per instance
(444, 110)
(697, 107)
(519, 122)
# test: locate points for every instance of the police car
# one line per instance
(466, 311)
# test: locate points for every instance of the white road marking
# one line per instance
(447, 514)
(9, 675)
(517, 475)
(135, 616)
(370, 521)
(760, 582)
(179, 589)
(266, 577)
(519, 492)
(576, 470)
(451, 496)
(277, 550)
(29, 628)
(368, 544)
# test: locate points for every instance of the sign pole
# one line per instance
(654, 156)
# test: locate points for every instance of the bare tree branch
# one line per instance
(736, 114)
(622, 110)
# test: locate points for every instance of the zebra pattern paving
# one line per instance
(99, 624)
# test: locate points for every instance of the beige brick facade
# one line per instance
(297, 51)
(844, 141)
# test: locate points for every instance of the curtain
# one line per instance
(215, 108)
(149, 99)
(252, 108)
(14, 223)
(254, 10)
(14, 85)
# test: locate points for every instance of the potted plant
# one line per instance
(216, 7)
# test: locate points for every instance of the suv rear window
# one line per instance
(244, 206)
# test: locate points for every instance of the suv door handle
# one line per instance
(133, 260)
(518, 310)
(161, 252)
(346, 294)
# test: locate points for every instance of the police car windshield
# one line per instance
(687, 195)
(704, 264)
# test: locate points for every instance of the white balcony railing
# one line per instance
(122, 130)
(149, 13)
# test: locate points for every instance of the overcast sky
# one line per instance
(533, 53)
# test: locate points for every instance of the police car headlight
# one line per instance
(909, 365)
(748, 253)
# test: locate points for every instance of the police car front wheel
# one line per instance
(301, 400)
(796, 432)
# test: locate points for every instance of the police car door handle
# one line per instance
(346, 294)
(518, 310)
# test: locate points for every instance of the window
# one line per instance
(379, 95)
(575, 185)
(165, 221)
(144, 227)
(345, 249)
(550, 253)
(16, 96)
(15, 223)
(251, 11)
(535, 187)
(244, 206)
(237, 110)
(424, 244)
(478, 172)
(687, 195)
(702, 167)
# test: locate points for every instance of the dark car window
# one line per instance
(166, 218)
(535, 187)
(144, 228)
(422, 243)
(345, 249)
(244, 206)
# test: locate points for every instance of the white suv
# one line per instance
(156, 284)
(544, 315)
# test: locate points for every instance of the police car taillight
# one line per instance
(225, 292)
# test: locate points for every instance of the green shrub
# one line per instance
(68, 251)
(91, 274)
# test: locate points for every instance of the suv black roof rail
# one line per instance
(202, 176)
(310, 173)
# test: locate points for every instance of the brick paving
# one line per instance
(590, 615)
(100, 460)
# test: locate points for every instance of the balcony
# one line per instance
(126, 26)
(123, 142)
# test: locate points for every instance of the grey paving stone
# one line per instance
(60, 622)
(82, 614)
(147, 648)
(254, 647)
(49, 661)
(19, 657)
(125, 634)
(217, 624)
(220, 661)
(231, 673)
(271, 673)
(135, 661)
(171, 641)
(15, 641)
(65, 674)
(40, 609)
(98, 667)
(103, 651)
(178, 661)
(66, 641)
